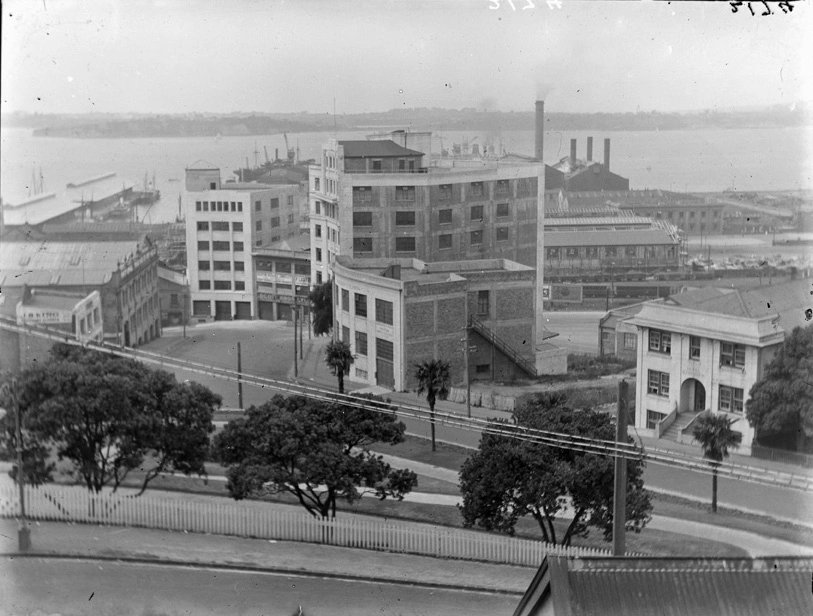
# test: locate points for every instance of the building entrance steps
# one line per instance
(674, 432)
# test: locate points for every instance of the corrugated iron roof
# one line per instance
(603, 237)
(62, 263)
(364, 149)
(571, 586)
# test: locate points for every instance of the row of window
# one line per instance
(218, 206)
(274, 203)
(363, 194)
(204, 245)
(331, 210)
(221, 285)
(384, 348)
(407, 218)
(221, 266)
(258, 225)
(383, 308)
(407, 244)
(269, 265)
(593, 252)
(730, 398)
(732, 355)
(219, 225)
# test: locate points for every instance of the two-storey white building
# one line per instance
(701, 350)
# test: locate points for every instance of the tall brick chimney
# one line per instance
(589, 148)
(572, 152)
(540, 129)
(607, 154)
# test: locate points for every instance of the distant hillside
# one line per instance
(207, 124)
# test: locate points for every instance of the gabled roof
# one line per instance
(383, 148)
(572, 586)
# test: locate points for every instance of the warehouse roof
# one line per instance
(604, 237)
(61, 263)
(383, 148)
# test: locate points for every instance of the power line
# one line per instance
(521, 433)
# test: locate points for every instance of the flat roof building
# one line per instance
(224, 223)
(395, 313)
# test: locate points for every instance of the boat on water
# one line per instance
(148, 195)
(251, 174)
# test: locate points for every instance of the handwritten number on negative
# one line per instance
(785, 5)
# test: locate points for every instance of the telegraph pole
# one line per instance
(296, 366)
(23, 532)
(466, 375)
(239, 378)
(301, 323)
(620, 487)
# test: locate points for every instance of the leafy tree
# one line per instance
(507, 479)
(321, 297)
(37, 467)
(110, 415)
(713, 432)
(316, 451)
(338, 357)
(781, 402)
(433, 378)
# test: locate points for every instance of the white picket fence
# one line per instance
(252, 519)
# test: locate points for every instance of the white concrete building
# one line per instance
(224, 223)
(702, 350)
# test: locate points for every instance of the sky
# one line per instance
(179, 56)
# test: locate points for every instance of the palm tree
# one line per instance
(713, 432)
(338, 357)
(433, 378)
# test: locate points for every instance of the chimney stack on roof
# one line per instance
(572, 153)
(589, 148)
(607, 154)
(540, 129)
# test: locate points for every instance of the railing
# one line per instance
(663, 425)
(779, 455)
(503, 346)
(184, 512)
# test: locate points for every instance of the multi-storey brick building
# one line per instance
(398, 312)
(379, 199)
(224, 223)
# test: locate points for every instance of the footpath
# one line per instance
(63, 540)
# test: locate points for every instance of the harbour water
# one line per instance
(698, 160)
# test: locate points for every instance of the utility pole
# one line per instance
(301, 323)
(466, 375)
(296, 366)
(239, 378)
(620, 487)
(184, 307)
(23, 532)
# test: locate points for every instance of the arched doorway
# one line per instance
(692, 396)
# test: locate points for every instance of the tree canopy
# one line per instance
(507, 479)
(316, 451)
(339, 357)
(110, 416)
(321, 297)
(38, 468)
(781, 402)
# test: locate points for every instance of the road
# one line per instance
(73, 586)
(267, 349)
(578, 331)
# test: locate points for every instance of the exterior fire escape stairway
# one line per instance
(527, 366)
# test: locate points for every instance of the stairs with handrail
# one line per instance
(527, 366)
